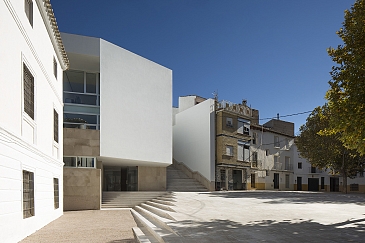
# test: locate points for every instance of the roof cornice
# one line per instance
(45, 8)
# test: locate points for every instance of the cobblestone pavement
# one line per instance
(269, 216)
(112, 226)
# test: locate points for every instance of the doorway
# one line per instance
(313, 184)
(334, 184)
(299, 183)
(253, 179)
(276, 180)
(120, 178)
(237, 180)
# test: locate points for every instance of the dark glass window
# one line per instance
(28, 7)
(56, 193)
(55, 125)
(28, 92)
(28, 194)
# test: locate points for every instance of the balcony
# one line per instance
(282, 166)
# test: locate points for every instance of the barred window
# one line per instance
(56, 193)
(28, 194)
(28, 92)
(28, 8)
(55, 125)
(55, 67)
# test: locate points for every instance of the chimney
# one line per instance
(277, 116)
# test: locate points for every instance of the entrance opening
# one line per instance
(237, 180)
(253, 179)
(120, 178)
(334, 184)
(276, 180)
(299, 183)
(313, 184)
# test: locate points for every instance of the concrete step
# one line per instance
(146, 226)
(142, 237)
(160, 206)
(156, 220)
(170, 199)
(129, 199)
(158, 211)
(170, 203)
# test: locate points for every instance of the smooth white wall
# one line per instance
(135, 107)
(194, 138)
(23, 147)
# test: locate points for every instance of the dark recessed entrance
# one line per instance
(237, 180)
(313, 184)
(120, 178)
(334, 184)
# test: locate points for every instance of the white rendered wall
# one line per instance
(135, 107)
(194, 138)
(25, 147)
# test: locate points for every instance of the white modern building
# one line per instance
(117, 122)
(31, 168)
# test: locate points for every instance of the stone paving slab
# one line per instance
(112, 226)
(268, 216)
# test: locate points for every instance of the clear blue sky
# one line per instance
(270, 52)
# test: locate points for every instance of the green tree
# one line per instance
(327, 151)
(346, 96)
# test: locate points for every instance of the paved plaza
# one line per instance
(245, 216)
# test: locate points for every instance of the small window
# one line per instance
(276, 142)
(267, 152)
(276, 159)
(254, 156)
(55, 67)
(28, 83)
(229, 150)
(55, 126)
(28, 7)
(229, 122)
(89, 162)
(299, 165)
(56, 193)
(28, 194)
(361, 174)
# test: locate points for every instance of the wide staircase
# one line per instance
(127, 199)
(178, 181)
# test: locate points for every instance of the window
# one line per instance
(322, 182)
(354, 187)
(313, 169)
(55, 67)
(254, 156)
(276, 142)
(28, 92)
(243, 151)
(56, 193)
(287, 181)
(229, 150)
(286, 143)
(287, 163)
(79, 162)
(28, 7)
(28, 194)
(243, 126)
(267, 152)
(55, 125)
(254, 138)
(361, 174)
(229, 122)
(299, 165)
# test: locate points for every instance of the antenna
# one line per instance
(215, 94)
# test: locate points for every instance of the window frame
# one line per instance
(77, 161)
(56, 193)
(55, 65)
(28, 196)
(230, 153)
(28, 92)
(28, 9)
(56, 127)
(276, 142)
(300, 165)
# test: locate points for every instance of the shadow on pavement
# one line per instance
(274, 197)
(269, 231)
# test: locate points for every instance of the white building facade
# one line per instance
(31, 168)
(117, 121)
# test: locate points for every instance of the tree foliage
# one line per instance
(346, 96)
(327, 151)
